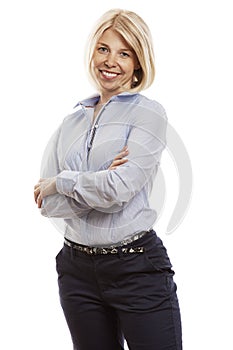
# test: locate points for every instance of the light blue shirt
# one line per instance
(95, 206)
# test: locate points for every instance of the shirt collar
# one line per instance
(92, 100)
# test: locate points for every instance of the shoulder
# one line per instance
(151, 105)
(149, 114)
(138, 103)
(73, 115)
(78, 110)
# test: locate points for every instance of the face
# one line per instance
(113, 64)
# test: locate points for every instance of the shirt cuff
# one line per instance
(65, 182)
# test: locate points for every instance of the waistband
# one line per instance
(121, 247)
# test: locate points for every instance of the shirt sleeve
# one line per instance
(58, 205)
(112, 189)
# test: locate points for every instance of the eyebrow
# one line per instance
(123, 49)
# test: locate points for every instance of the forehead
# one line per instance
(111, 38)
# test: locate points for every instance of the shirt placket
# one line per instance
(91, 135)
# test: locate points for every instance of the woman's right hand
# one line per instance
(120, 158)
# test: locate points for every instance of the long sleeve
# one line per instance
(58, 205)
(110, 190)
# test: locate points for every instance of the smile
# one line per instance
(109, 75)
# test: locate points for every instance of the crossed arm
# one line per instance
(47, 187)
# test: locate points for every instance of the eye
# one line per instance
(124, 54)
(102, 49)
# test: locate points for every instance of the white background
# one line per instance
(42, 77)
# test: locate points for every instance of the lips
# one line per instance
(109, 75)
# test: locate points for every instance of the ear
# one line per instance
(137, 65)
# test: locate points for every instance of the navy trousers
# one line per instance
(109, 298)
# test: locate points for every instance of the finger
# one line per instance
(36, 194)
(121, 154)
(36, 186)
(124, 153)
(119, 161)
(39, 201)
(125, 148)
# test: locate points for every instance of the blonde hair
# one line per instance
(137, 35)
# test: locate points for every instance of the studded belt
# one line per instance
(121, 248)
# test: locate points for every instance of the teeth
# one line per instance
(107, 74)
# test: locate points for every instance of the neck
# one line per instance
(105, 97)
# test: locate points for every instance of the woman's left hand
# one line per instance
(44, 188)
(120, 158)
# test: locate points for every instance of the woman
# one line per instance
(115, 277)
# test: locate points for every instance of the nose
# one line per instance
(110, 61)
